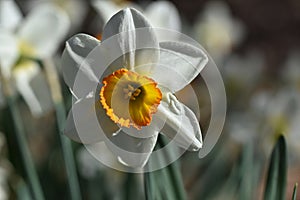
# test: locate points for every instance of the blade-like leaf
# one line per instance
(248, 181)
(295, 192)
(276, 180)
(165, 183)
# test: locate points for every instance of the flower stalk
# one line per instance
(168, 178)
(28, 163)
(56, 95)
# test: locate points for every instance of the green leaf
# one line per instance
(60, 110)
(132, 187)
(23, 192)
(165, 183)
(27, 161)
(276, 180)
(249, 173)
(150, 190)
(295, 192)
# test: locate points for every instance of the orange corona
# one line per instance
(130, 99)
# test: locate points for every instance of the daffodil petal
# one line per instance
(31, 84)
(87, 121)
(98, 152)
(181, 62)
(10, 15)
(43, 30)
(73, 59)
(163, 14)
(133, 32)
(9, 52)
(132, 151)
(146, 131)
(181, 123)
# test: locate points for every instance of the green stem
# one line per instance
(24, 150)
(164, 183)
(27, 161)
(294, 197)
(149, 187)
(53, 81)
(174, 173)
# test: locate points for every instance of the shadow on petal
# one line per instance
(132, 151)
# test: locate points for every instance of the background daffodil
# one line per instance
(37, 37)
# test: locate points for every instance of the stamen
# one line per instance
(137, 92)
(131, 92)
(142, 92)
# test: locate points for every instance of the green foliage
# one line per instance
(165, 183)
(277, 173)
(295, 192)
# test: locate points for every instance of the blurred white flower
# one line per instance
(291, 69)
(268, 115)
(243, 71)
(218, 31)
(161, 14)
(243, 126)
(282, 112)
(36, 37)
(75, 9)
(10, 15)
(135, 99)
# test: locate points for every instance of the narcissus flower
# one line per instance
(133, 100)
(218, 31)
(22, 41)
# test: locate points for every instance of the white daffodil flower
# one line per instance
(218, 31)
(134, 101)
(10, 15)
(76, 10)
(161, 14)
(36, 37)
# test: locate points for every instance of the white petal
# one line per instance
(146, 131)
(31, 84)
(132, 151)
(77, 49)
(188, 97)
(10, 15)
(181, 125)
(163, 14)
(133, 32)
(181, 63)
(44, 29)
(102, 153)
(9, 52)
(87, 122)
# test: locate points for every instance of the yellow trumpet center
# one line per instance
(131, 93)
(129, 98)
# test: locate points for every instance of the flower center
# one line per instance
(131, 93)
(129, 98)
(26, 49)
